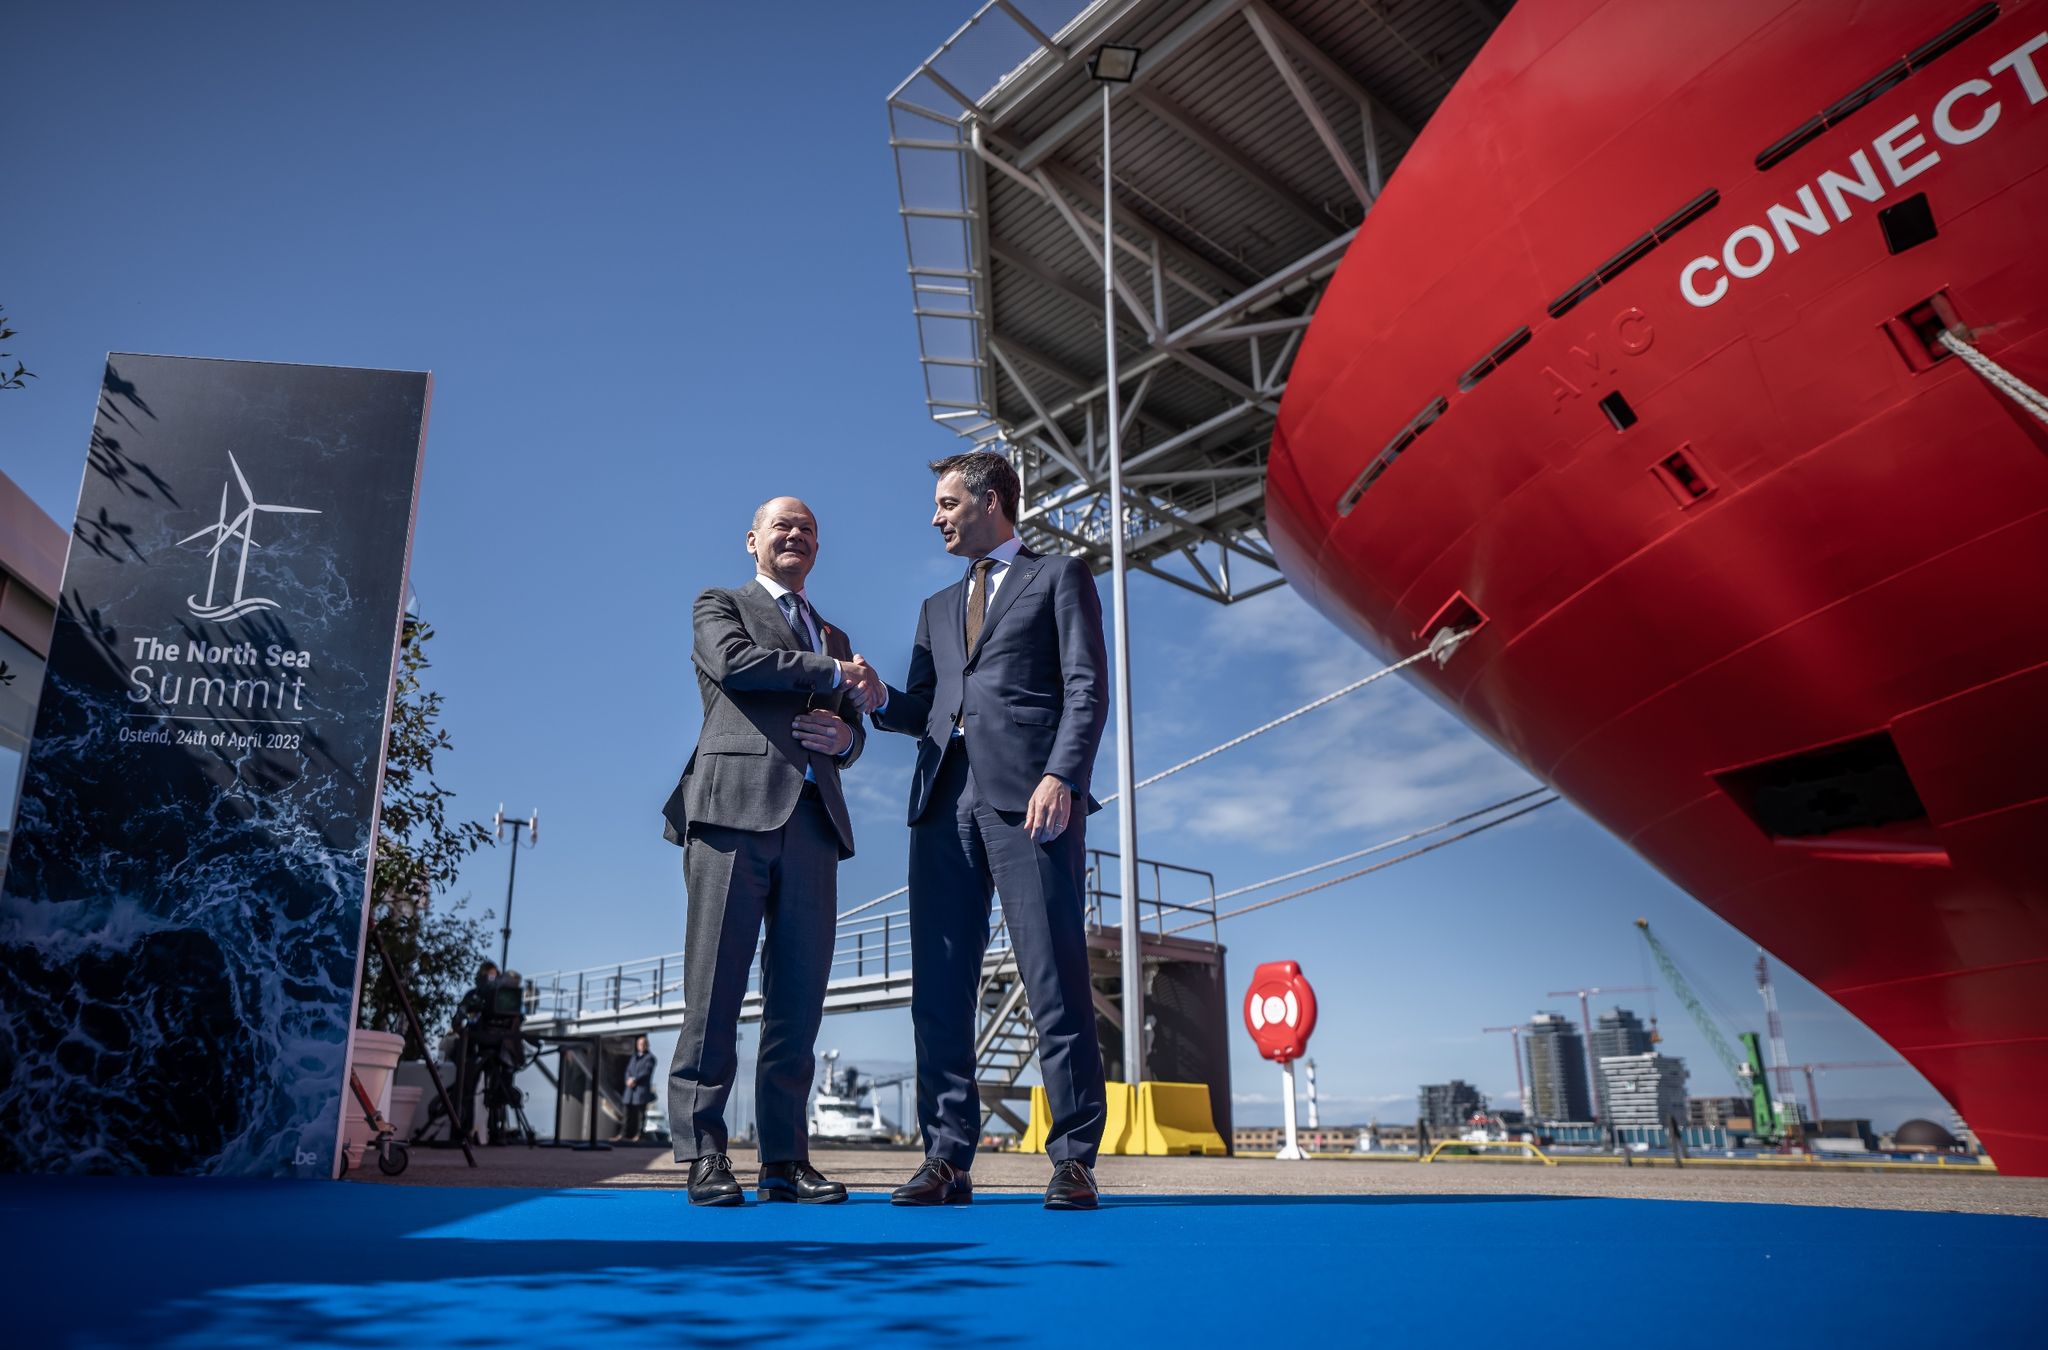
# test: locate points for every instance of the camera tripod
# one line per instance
(419, 1034)
(502, 1094)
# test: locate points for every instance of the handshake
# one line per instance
(862, 684)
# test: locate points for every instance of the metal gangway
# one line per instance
(871, 970)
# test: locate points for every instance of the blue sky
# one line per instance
(651, 254)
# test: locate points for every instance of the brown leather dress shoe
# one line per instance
(1072, 1187)
(797, 1181)
(712, 1181)
(938, 1182)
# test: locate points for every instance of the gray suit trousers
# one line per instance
(737, 879)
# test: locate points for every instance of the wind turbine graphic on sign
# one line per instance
(242, 527)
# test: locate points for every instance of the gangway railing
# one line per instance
(870, 966)
(1196, 888)
(867, 949)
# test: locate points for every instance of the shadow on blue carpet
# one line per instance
(121, 1261)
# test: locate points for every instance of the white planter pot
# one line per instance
(372, 1055)
(405, 1108)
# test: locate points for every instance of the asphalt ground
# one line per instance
(877, 1170)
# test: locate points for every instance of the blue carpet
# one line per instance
(117, 1261)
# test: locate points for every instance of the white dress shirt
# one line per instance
(810, 617)
(778, 590)
(1002, 555)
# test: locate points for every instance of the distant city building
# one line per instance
(1646, 1089)
(1617, 1032)
(1841, 1136)
(1449, 1107)
(1556, 1055)
(1268, 1138)
(1727, 1113)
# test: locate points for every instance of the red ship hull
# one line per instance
(1760, 572)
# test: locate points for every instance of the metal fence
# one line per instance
(869, 948)
(1195, 894)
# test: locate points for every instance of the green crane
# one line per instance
(1748, 1068)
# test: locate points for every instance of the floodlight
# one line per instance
(1114, 64)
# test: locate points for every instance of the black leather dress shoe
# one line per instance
(938, 1182)
(1072, 1187)
(798, 1181)
(712, 1181)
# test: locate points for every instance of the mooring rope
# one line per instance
(1441, 646)
(1365, 871)
(1382, 846)
(1998, 377)
(1446, 642)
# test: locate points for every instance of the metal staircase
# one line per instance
(1005, 1037)
(871, 970)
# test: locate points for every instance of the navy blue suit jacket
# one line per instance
(1032, 696)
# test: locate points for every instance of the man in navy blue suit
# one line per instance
(1006, 697)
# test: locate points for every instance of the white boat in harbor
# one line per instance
(837, 1113)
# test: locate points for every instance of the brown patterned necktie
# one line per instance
(977, 600)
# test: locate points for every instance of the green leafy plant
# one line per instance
(22, 374)
(418, 853)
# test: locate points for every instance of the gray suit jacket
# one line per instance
(1032, 695)
(755, 677)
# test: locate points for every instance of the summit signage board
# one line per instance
(183, 911)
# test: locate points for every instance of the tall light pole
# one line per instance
(1113, 65)
(532, 827)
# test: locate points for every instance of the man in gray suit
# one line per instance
(763, 824)
(1005, 695)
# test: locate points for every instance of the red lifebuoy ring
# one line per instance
(1280, 1010)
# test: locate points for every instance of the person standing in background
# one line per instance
(639, 1091)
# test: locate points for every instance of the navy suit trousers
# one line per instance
(960, 849)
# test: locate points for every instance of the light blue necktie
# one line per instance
(793, 610)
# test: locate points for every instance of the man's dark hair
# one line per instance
(983, 472)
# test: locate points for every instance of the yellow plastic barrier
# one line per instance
(1120, 1130)
(1173, 1118)
(1528, 1148)
(1040, 1124)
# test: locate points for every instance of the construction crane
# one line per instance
(1521, 1084)
(1767, 1119)
(1813, 1100)
(1586, 1020)
(1781, 1063)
